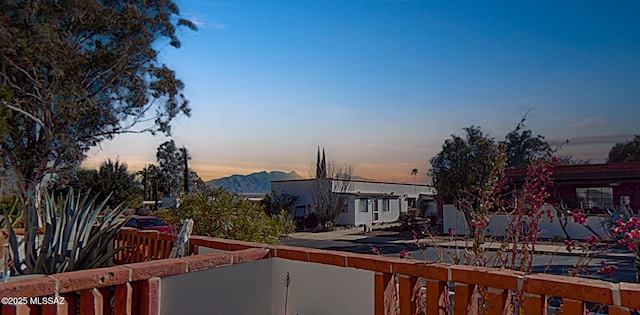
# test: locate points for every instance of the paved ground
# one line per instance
(357, 235)
(549, 258)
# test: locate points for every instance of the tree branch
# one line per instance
(29, 115)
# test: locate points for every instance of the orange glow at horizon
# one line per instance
(389, 172)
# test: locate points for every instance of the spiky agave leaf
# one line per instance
(76, 240)
(84, 223)
(13, 242)
(102, 238)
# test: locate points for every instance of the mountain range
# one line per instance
(255, 183)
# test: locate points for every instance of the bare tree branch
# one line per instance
(19, 110)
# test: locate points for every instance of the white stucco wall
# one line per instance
(236, 289)
(397, 205)
(362, 217)
(321, 289)
(499, 223)
(349, 217)
(256, 288)
(397, 188)
(392, 214)
(300, 188)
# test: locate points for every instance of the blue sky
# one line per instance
(382, 84)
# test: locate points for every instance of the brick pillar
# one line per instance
(123, 299)
(570, 306)
(21, 309)
(437, 297)
(53, 309)
(408, 295)
(91, 302)
(71, 304)
(381, 281)
(496, 300)
(535, 304)
(618, 310)
(150, 296)
(463, 299)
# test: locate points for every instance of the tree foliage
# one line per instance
(173, 171)
(274, 204)
(170, 160)
(625, 152)
(5, 95)
(522, 147)
(112, 177)
(570, 160)
(466, 171)
(152, 179)
(225, 215)
(464, 163)
(82, 72)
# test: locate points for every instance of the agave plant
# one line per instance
(71, 238)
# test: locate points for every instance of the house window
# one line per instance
(385, 204)
(595, 198)
(344, 205)
(300, 211)
(364, 205)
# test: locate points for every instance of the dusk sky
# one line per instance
(382, 84)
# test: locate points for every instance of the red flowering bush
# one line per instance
(480, 223)
(578, 216)
(528, 213)
(625, 230)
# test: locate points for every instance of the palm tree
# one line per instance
(414, 172)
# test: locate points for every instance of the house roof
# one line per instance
(372, 194)
(351, 180)
(605, 171)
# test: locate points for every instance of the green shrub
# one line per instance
(224, 215)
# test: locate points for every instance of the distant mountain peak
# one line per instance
(258, 182)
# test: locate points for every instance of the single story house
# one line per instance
(364, 202)
(594, 188)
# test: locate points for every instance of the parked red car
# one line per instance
(148, 223)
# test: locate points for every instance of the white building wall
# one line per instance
(299, 188)
(392, 214)
(410, 190)
(499, 224)
(349, 217)
(397, 205)
(363, 217)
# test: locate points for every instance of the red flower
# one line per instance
(578, 216)
(570, 245)
(480, 223)
(594, 239)
(609, 269)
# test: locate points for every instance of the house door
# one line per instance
(376, 213)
